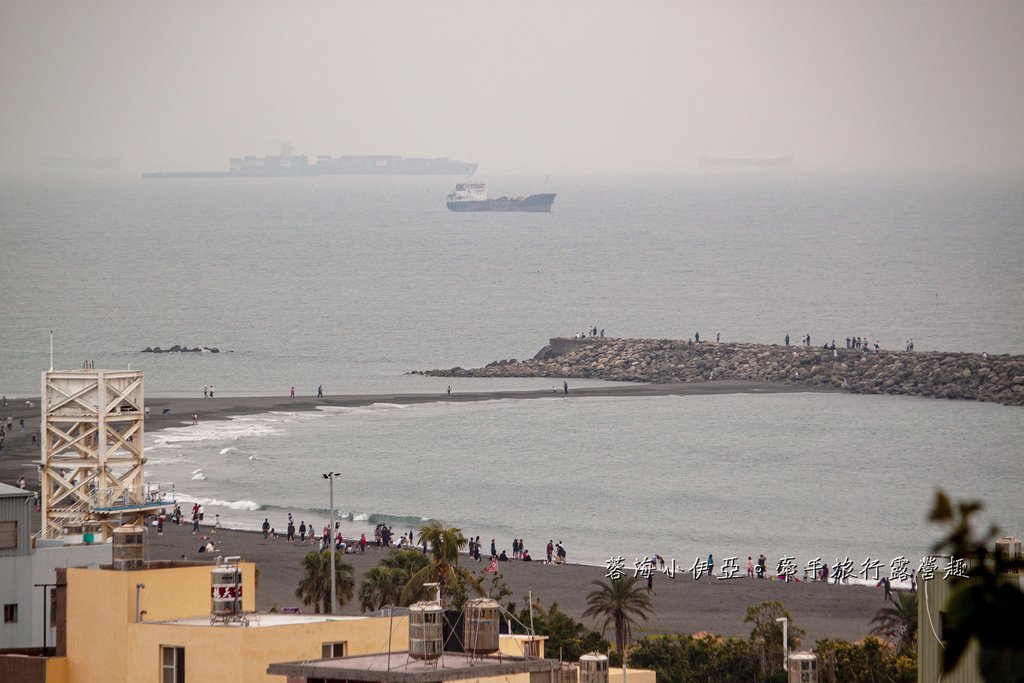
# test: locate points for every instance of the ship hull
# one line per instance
(535, 203)
(297, 167)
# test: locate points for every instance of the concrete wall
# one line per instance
(19, 575)
(104, 643)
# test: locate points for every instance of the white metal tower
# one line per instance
(92, 460)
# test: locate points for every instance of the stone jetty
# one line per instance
(968, 376)
(179, 348)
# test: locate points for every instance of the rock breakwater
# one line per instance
(966, 376)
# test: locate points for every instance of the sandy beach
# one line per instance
(682, 604)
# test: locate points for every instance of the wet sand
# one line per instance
(681, 604)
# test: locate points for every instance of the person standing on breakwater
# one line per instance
(696, 337)
(565, 388)
(787, 340)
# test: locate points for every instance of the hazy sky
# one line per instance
(523, 86)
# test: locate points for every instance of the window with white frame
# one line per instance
(172, 664)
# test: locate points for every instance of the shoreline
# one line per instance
(19, 458)
(681, 604)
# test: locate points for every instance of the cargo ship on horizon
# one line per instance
(287, 164)
(473, 197)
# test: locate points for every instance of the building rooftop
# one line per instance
(400, 668)
(261, 620)
(8, 491)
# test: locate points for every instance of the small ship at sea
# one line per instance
(473, 197)
(287, 164)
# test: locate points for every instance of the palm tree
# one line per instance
(898, 623)
(443, 565)
(619, 602)
(315, 585)
(381, 586)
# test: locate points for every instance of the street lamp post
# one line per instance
(330, 537)
(785, 642)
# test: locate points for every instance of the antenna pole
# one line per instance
(51, 350)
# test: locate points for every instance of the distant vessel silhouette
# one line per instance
(473, 197)
(288, 164)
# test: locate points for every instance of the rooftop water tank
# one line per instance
(480, 626)
(1009, 548)
(426, 627)
(803, 667)
(128, 547)
(594, 668)
(226, 591)
(568, 673)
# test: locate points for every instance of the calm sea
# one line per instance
(352, 282)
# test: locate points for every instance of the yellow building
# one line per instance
(153, 625)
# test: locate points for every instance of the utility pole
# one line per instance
(329, 476)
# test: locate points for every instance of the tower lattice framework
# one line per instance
(92, 451)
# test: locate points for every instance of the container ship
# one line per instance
(473, 197)
(287, 164)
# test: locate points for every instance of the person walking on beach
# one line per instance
(550, 549)
(195, 419)
(711, 565)
(293, 392)
(21, 424)
(888, 588)
(750, 567)
(266, 527)
(290, 536)
(449, 391)
(206, 390)
(320, 391)
(565, 388)
(302, 531)
(216, 524)
(211, 391)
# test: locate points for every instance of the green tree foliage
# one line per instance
(681, 658)
(315, 584)
(567, 637)
(985, 606)
(619, 603)
(897, 623)
(442, 567)
(769, 632)
(870, 661)
(383, 585)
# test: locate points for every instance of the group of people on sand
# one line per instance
(555, 552)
